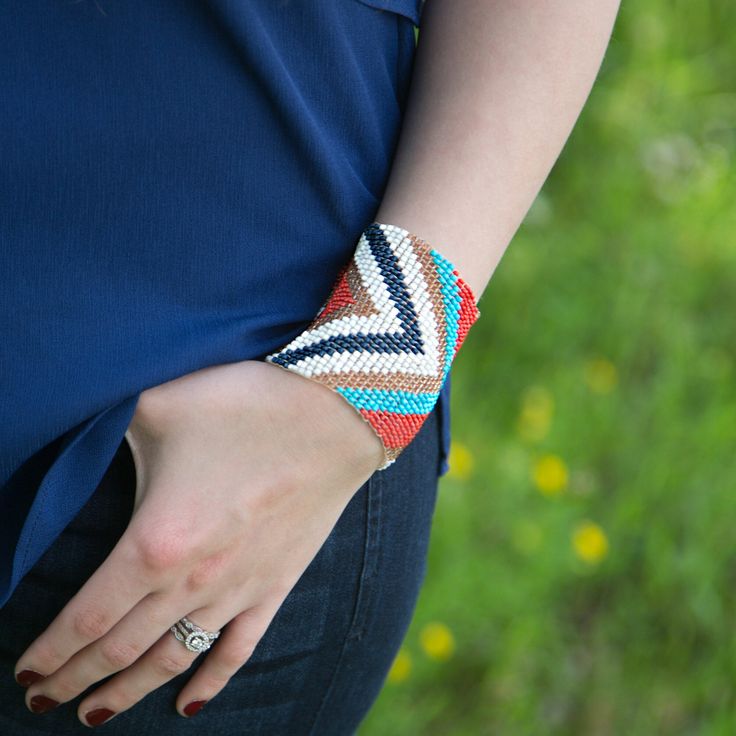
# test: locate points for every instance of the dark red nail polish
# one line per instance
(40, 703)
(194, 707)
(98, 715)
(26, 678)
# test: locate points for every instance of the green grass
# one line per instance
(627, 256)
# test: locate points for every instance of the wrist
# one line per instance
(321, 408)
(388, 333)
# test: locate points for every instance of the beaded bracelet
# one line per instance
(387, 334)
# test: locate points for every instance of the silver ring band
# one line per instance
(195, 638)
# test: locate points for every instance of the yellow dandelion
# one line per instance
(601, 375)
(437, 641)
(535, 416)
(401, 667)
(550, 474)
(590, 542)
(461, 461)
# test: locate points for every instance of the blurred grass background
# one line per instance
(582, 565)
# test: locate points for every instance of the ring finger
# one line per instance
(167, 658)
(119, 648)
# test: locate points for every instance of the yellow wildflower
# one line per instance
(437, 641)
(535, 417)
(601, 375)
(461, 461)
(401, 667)
(590, 542)
(550, 474)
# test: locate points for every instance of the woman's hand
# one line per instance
(242, 472)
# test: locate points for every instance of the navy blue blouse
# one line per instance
(180, 183)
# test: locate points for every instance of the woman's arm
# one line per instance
(496, 89)
(242, 469)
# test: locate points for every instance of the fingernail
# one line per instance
(194, 707)
(26, 678)
(98, 715)
(40, 703)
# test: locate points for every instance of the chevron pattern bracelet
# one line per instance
(387, 335)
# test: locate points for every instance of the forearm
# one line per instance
(496, 90)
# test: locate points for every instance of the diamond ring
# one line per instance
(195, 638)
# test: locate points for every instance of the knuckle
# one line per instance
(196, 579)
(89, 624)
(61, 688)
(271, 493)
(65, 689)
(206, 571)
(215, 681)
(46, 657)
(169, 666)
(153, 613)
(159, 553)
(288, 482)
(236, 655)
(118, 655)
(234, 662)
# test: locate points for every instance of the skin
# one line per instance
(497, 88)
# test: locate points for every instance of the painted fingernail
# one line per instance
(194, 707)
(40, 704)
(26, 678)
(98, 716)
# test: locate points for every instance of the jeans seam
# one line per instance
(365, 574)
(371, 548)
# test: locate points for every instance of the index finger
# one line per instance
(109, 593)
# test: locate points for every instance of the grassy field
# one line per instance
(582, 571)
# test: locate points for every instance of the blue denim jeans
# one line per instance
(325, 656)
